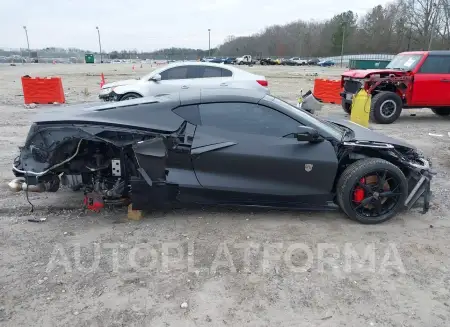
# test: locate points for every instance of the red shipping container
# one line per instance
(42, 90)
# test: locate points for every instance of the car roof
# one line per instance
(439, 53)
(198, 63)
(220, 95)
(430, 53)
(194, 96)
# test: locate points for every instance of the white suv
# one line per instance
(181, 76)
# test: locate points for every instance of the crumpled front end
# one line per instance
(108, 95)
(416, 168)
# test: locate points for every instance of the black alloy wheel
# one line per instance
(380, 191)
(372, 190)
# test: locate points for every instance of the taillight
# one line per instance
(263, 83)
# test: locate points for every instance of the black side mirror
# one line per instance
(308, 134)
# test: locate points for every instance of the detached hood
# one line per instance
(365, 134)
(120, 83)
(363, 73)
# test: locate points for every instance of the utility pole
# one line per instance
(99, 44)
(28, 42)
(209, 42)
(342, 46)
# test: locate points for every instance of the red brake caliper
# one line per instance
(358, 194)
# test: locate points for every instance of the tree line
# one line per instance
(401, 25)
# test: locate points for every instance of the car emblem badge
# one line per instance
(308, 167)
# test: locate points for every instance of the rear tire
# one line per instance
(129, 96)
(350, 178)
(441, 111)
(386, 107)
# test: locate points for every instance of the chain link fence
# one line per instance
(52, 55)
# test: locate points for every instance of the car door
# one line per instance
(173, 79)
(249, 152)
(431, 85)
(211, 77)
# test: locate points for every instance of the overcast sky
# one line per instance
(153, 24)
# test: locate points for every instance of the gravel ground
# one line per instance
(215, 266)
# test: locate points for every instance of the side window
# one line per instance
(226, 72)
(189, 113)
(180, 72)
(436, 65)
(247, 118)
(209, 72)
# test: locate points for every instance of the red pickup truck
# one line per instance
(419, 79)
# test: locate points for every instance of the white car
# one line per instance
(298, 61)
(244, 60)
(180, 76)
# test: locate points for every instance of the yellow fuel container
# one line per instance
(360, 113)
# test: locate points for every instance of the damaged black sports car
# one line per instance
(228, 147)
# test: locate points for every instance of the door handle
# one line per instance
(445, 80)
(185, 87)
(223, 84)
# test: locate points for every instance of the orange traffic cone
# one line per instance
(102, 80)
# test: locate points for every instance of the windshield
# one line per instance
(147, 77)
(331, 128)
(151, 74)
(404, 61)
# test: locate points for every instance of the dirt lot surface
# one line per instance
(84, 269)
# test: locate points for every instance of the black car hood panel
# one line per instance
(365, 134)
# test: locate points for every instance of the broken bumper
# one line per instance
(111, 96)
(422, 175)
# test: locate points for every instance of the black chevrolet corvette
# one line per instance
(231, 147)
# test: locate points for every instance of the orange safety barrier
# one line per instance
(42, 90)
(328, 91)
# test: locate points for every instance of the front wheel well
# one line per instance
(130, 95)
(349, 156)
